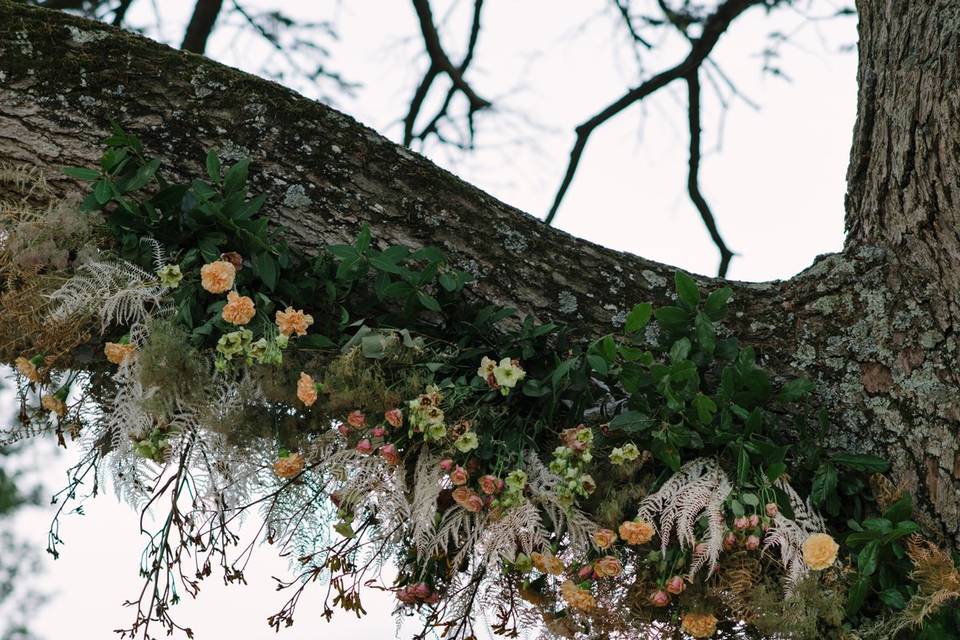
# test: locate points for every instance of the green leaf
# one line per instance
(534, 388)
(638, 317)
(266, 268)
(743, 466)
(858, 594)
(775, 470)
(672, 317)
(363, 239)
(343, 251)
(680, 350)
(236, 178)
(893, 598)
(428, 301)
(796, 389)
(868, 557)
(824, 484)
(598, 363)
(902, 509)
(448, 281)
(705, 408)
(213, 166)
(687, 290)
(250, 208)
(861, 462)
(750, 499)
(143, 175)
(706, 332)
(102, 191)
(81, 173)
(315, 341)
(632, 422)
(716, 302)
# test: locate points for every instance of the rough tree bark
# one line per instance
(874, 326)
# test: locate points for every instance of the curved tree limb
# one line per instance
(873, 327)
(205, 13)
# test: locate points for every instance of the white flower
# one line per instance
(507, 374)
(486, 368)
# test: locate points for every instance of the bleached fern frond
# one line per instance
(159, 255)
(117, 292)
(520, 529)
(789, 534)
(12, 436)
(566, 521)
(25, 178)
(697, 490)
(427, 484)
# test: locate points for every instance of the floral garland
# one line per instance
(651, 480)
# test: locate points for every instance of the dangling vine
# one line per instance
(517, 475)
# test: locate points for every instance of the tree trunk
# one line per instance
(873, 326)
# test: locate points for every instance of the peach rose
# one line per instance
(306, 389)
(288, 466)
(390, 454)
(604, 538)
(547, 563)
(459, 476)
(676, 585)
(820, 551)
(356, 419)
(117, 353)
(636, 532)
(698, 625)
(490, 484)
(772, 509)
(752, 543)
(394, 418)
(239, 309)
(54, 404)
(607, 567)
(468, 499)
(576, 597)
(218, 276)
(27, 369)
(293, 321)
(365, 447)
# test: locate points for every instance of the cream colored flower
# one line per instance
(820, 551)
(289, 466)
(239, 309)
(293, 321)
(607, 567)
(27, 369)
(547, 563)
(54, 404)
(118, 352)
(604, 538)
(576, 597)
(508, 373)
(486, 368)
(637, 532)
(699, 625)
(170, 275)
(306, 389)
(217, 277)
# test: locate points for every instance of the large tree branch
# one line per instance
(870, 326)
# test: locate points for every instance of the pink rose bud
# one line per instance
(356, 419)
(585, 572)
(676, 585)
(752, 543)
(389, 453)
(393, 417)
(365, 447)
(742, 522)
(420, 590)
(446, 464)
(377, 432)
(344, 430)
(772, 509)
(405, 596)
(754, 521)
(489, 484)
(729, 541)
(660, 598)
(459, 476)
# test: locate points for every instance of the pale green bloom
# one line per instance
(170, 275)
(467, 442)
(516, 480)
(508, 374)
(630, 451)
(234, 343)
(617, 456)
(436, 431)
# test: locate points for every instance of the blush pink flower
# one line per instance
(459, 476)
(752, 543)
(489, 484)
(356, 419)
(676, 585)
(394, 418)
(446, 465)
(365, 447)
(660, 598)
(377, 432)
(389, 453)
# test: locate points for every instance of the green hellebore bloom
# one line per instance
(170, 276)
(467, 442)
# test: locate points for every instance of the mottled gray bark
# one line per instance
(874, 326)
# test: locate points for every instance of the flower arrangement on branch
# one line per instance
(517, 475)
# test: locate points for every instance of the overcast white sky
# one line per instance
(776, 186)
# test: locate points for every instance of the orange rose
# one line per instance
(289, 466)
(576, 597)
(547, 563)
(218, 276)
(117, 353)
(607, 567)
(604, 538)
(636, 532)
(306, 389)
(239, 309)
(699, 625)
(293, 321)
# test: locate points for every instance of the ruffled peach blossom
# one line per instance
(468, 499)
(288, 466)
(306, 389)
(239, 309)
(293, 321)
(698, 625)
(676, 585)
(377, 432)
(604, 538)
(819, 551)
(547, 563)
(365, 447)
(577, 597)
(660, 598)
(636, 532)
(117, 352)
(27, 369)
(218, 276)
